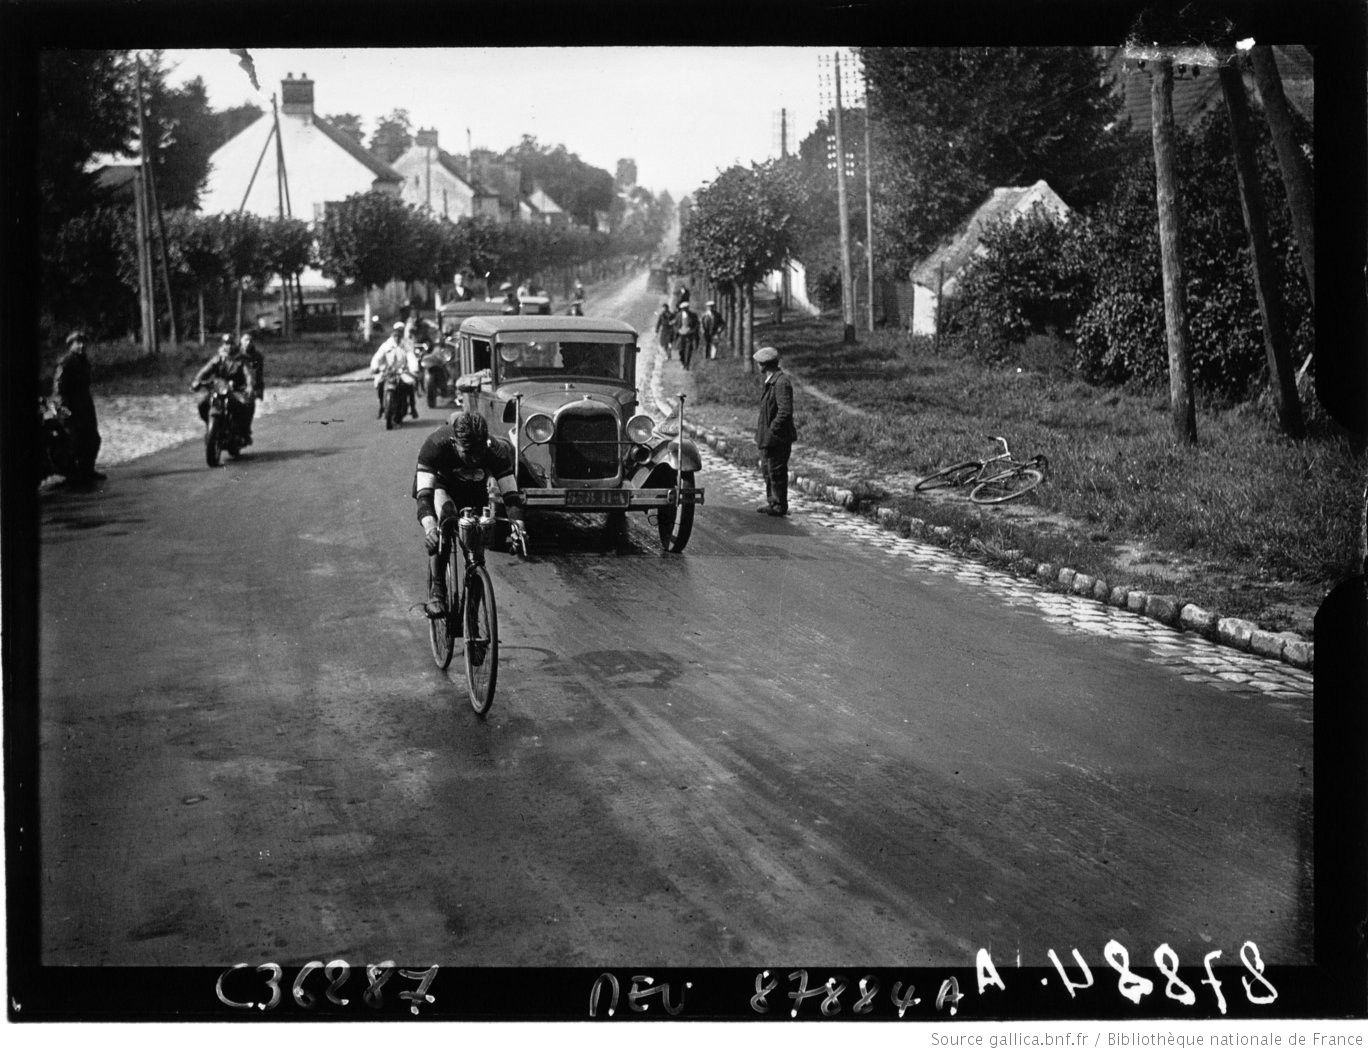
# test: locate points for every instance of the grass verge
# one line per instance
(1247, 523)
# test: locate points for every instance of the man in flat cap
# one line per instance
(71, 383)
(775, 431)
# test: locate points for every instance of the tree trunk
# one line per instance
(237, 318)
(1296, 172)
(201, 315)
(1261, 249)
(734, 323)
(1181, 407)
(146, 304)
(748, 322)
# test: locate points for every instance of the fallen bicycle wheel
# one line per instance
(954, 476)
(1006, 486)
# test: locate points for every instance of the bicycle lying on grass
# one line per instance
(1000, 478)
(472, 617)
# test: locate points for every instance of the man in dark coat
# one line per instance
(774, 431)
(664, 327)
(71, 384)
(712, 324)
(686, 330)
(256, 366)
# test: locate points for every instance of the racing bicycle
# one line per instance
(472, 617)
(1000, 478)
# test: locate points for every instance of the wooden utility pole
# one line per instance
(1280, 374)
(1296, 171)
(785, 287)
(847, 280)
(147, 311)
(1181, 406)
(286, 328)
(153, 211)
(869, 211)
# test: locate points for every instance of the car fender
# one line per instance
(667, 452)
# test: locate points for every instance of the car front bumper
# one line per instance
(599, 499)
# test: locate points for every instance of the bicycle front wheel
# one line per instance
(1005, 487)
(481, 623)
(954, 476)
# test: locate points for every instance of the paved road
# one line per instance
(800, 741)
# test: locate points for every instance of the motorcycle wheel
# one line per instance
(431, 393)
(212, 445)
(391, 410)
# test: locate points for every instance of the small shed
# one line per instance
(938, 274)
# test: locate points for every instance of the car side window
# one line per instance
(480, 357)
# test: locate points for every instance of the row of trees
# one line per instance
(366, 241)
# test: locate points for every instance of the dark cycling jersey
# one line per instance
(441, 466)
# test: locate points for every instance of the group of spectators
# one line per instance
(680, 328)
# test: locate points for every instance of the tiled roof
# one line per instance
(382, 171)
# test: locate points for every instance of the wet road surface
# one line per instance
(800, 740)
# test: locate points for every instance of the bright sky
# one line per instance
(683, 114)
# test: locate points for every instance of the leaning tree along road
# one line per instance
(802, 740)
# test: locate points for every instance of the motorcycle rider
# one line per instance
(392, 354)
(231, 365)
(455, 464)
(256, 364)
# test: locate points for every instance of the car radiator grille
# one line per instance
(586, 446)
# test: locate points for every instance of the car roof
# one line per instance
(502, 325)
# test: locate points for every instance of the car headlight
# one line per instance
(640, 428)
(539, 428)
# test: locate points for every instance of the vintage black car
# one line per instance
(563, 391)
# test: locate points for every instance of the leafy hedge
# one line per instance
(1098, 278)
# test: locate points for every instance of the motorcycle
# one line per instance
(223, 431)
(58, 448)
(396, 386)
(438, 367)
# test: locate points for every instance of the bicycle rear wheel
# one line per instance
(954, 476)
(1006, 486)
(481, 643)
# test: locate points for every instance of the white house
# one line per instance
(938, 274)
(437, 181)
(321, 163)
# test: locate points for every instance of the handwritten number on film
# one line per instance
(337, 974)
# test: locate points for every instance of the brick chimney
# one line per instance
(296, 96)
(426, 137)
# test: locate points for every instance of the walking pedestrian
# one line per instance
(712, 325)
(71, 383)
(775, 431)
(664, 327)
(686, 326)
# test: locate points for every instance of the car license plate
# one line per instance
(616, 499)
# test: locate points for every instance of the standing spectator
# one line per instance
(682, 297)
(256, 365)
(664, 327)
(460, 292)
(511, 304)
(686, 326)
(774, 431)
(712, 325)
(71, 383)
(577, 306)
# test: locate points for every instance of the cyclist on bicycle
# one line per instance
(455, 465)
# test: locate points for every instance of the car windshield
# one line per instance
(554, 359)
